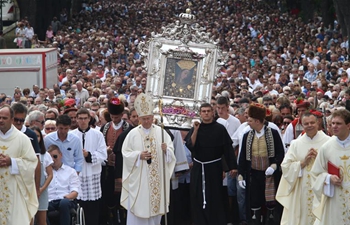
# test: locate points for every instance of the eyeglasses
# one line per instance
(50, 128)
(46, 119)
(41, 122)
(286, 123)
(205, 111)
(55, 156)
(19, 120)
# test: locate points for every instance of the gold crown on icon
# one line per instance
(186, 65)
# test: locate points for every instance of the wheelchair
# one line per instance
(77, 216)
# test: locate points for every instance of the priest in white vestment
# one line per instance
(332, 192)
(145, 193)
(295, 191)
(18, 198)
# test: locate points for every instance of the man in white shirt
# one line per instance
(81, 93)
(64, 187)
(231, 124)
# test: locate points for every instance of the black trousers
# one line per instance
(91, 211)
(257, 189)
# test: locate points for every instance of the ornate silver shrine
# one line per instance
(182, 62)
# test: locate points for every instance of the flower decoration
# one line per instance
(268, 112)
(299, 100)
(316, 113)
(115, 101)
(178, 108)
(69, 103)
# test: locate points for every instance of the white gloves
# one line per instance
(241, 183)
(269, 171)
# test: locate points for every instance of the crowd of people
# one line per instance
(278, 74)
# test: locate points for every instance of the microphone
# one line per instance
(149, 161)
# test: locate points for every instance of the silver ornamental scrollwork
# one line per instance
(186, 30)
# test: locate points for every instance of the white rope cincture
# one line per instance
(203, 177)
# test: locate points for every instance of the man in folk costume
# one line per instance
(330, 174)
(262, 152)
(110, 187)
(117, 150)
(209, 142)
(145, 193)
(294, 129)
(95, 152)
(19, 201)
(295, 190)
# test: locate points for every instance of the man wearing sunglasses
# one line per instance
(20, 113)
(64, 187)
(36, 118)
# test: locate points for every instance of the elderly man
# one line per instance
(331, 184)
(296, 179)
(311, 74)
(36, 118)
(19, 201)
(81, 93)
(143, 191)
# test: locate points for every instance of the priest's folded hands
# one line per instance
(145, 155)
(5, 160)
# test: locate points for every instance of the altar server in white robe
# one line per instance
(295, 191)
(95, 152)
(332, 192)
(144, 190)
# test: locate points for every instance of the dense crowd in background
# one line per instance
(268, 53)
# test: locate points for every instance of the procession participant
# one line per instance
(69, 143)
(294, 129)
(261, 153)
(20, 113)
(331, 184)
(143, 193)
(295, 191)
(95, 152)
(117, 150)
(231, 124)
(110, 187)
(17, 166)
(209, 142)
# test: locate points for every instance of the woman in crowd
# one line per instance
(46, 177)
